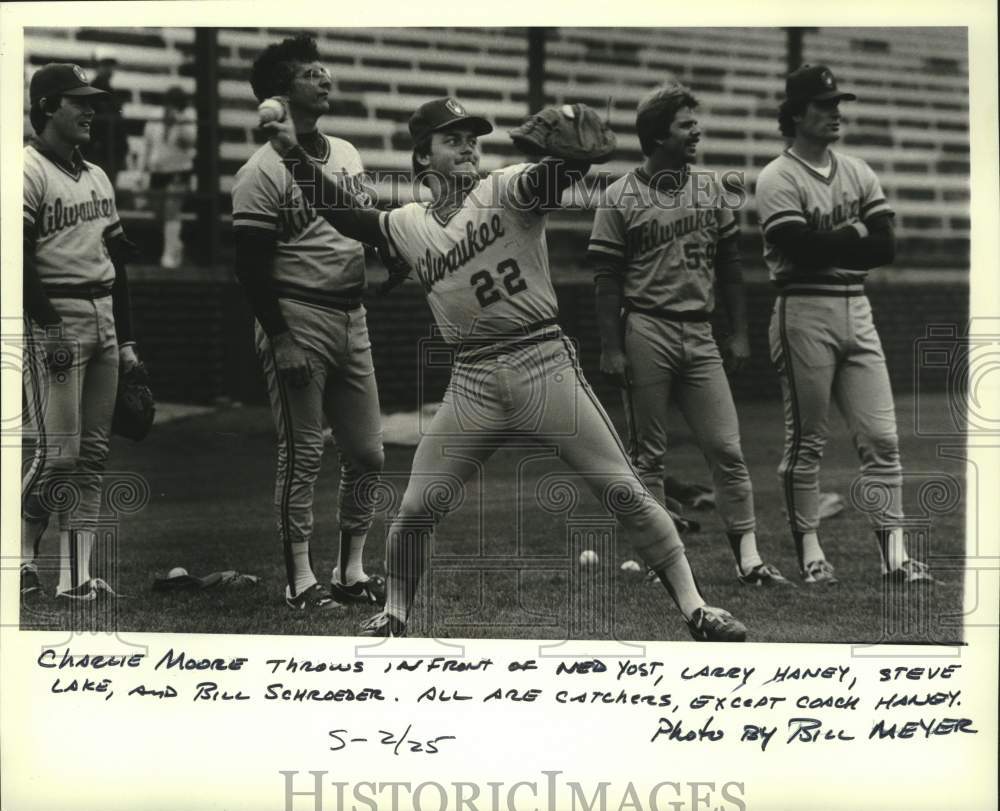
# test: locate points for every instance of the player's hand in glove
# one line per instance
(614, 365)
(573, 132)
(135, 408)
(736, 352)
(399, 272)
(127, 359)
(291, 360)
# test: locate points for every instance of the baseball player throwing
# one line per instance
(479, 253)
(305, 281)
(658, 248)
(826, 223)
(78, 328)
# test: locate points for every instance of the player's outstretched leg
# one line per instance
(445, 459)
(594, 450)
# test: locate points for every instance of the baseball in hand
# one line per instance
(588, 557)
(271, 110)
(177, 571)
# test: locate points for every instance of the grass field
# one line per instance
(210, 509)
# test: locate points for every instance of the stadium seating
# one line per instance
(910, 122)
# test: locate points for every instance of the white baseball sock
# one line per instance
(74, 557)
(351, 569)
(303, 577)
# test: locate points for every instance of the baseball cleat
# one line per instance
(383, 624)
(819, 571)
(763, 575)
(911, 573)
(93, 589)
(31, 586)
(367, 592)
(708, 624)
(315, 598)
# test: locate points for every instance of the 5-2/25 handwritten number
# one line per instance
(486, 290)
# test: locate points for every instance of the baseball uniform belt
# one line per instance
(346, 301)
(80, 291)
(472, 350)
(670, 315)
(834, 290)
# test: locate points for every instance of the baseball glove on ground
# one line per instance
(572, 132)
(134, 407)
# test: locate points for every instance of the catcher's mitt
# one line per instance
(571, 132)
(134, 406)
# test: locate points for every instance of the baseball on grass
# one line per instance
(177, 571)
(271, 110)
(588, 557)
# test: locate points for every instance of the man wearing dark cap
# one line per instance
(826, 223)
(78, 326)
(478, 250)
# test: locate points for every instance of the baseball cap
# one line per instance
(814, 83)
(61, 79)
(441, 113)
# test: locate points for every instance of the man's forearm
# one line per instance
(332, 200)
(254, 257)
(729, 274)
(609, 299)
(543, 184)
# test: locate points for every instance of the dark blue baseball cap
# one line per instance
(61, 79)
(440, 114)
(814, 83)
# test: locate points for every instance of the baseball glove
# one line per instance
(572, 132)
(399, 272)
(134, 406)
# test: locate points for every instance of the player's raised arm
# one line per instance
(334, 202)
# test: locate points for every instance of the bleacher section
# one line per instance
(910, 123)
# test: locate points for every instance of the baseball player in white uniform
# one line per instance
(826, 223)
(78, 329)
(479, 253)
(305, 283)
(659, 246)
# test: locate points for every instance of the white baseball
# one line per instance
(177, 571)
(271, 110)
(588, 557)
(631, 566)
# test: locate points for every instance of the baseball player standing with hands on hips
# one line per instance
(305, 281)
(658, 248)
(479, 252)
(826, 223)
(78, 327)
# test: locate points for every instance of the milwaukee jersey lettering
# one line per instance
(484, 266)
(311, 253)
(71, 214)
(791, 191)
(663, 244)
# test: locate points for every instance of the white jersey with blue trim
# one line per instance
(71, 212)
(311, 254)
(484, 264)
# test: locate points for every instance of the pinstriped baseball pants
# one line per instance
(827, 347)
